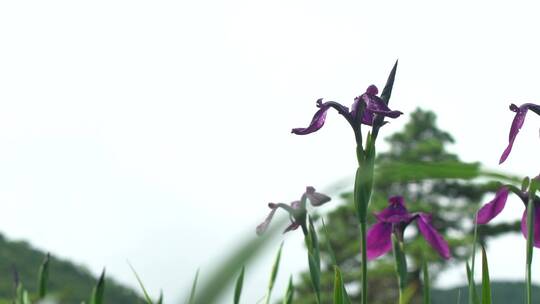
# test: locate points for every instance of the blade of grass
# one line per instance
(226, 271)
(486, 286)
(473, 298)
(145, 293)
(238, 287)
(339, 297)
(314, 260)
(43, 277)
(273, 275)
(160, 299)
(194, 288)
(427, 287)
(334, 261)
(98, 291)
(534, 185)
(400, 267)
(289, 294)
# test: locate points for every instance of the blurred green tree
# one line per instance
(452, 203)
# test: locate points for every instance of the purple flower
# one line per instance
(517, 123)
(394, 219)
(372, 105)
(297, 211)
(496, 205)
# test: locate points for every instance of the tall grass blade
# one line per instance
(330, 250)
(43, 277)
(427, 287)
(289, 294)
(194, 288)
(145, 293)
(273, 275)
(473, 297)
(160, 299)
(238, 287)
(339, 297)
(98, 291)
(401, 266)
(486, 286)
(223, 275)
(314, 260)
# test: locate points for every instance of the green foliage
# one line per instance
(60, 279)
(238, 286)
(99, 290)
(193, 288)
(427, 283)
(418, 166)
(289, 294)
(502, 292)
(273, 275)
(486, 287)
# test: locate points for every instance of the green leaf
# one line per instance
(160, 299)
(427, 288)
(338, 290)
(473, 297)
(224, 274)
(145, 293)
(385, 96)
(400, 263)
(273, 275)
(289, 294)
(239, 284)
(408, 171)
(387, 91)
(329, 245)
(43, 277)
(486, 286)
(314, 260)
(194, 288)
(99, 289)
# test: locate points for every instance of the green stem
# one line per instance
(401, 267)
(530, 238)
(363, 237)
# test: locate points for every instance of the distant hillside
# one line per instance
(502, 293)
(67, 282)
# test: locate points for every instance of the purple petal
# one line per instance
(517, 123)
(320, 116)
(395, 212)
(316, 198)
(264, 225)
(291, 227)
(494, 207)
(432, 236)
(536, 225)
(375, 105)
(379, 240)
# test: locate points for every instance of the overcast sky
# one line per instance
(157, 131)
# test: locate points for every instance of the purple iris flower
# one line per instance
(297, 211)
(517, 123)
(372, 105)
(496, 205)
(394, 219)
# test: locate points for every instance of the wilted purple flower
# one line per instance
(297, 210)
(517, 123)
(394, 219)
(372, 105)
(496, 205)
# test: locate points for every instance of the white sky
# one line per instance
(156, 131)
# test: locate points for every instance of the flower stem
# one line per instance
(530, 238)
(363, 234)
(401, 267)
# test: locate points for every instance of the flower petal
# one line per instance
(264, 225)
(379, 240)
(375, 105)
(291, 227)
(517, 123)
(316, 198)
(423, 221)
(395, 212)
(536, 225)
(320, 116)
(494, 207)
